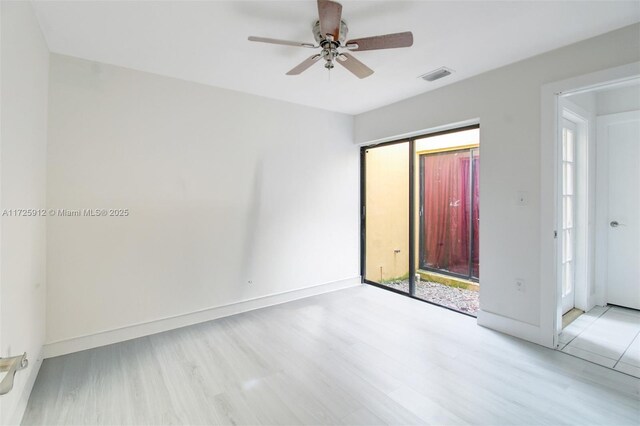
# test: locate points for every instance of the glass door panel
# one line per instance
(568, 214)
(446, 225)
(448, 216)
(386, 223)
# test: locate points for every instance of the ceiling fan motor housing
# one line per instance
(329, 46)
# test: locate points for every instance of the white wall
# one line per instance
(619, 99)
(586, 101)
(609, 101)
(223, 188)
(24, 82)
(507, 102)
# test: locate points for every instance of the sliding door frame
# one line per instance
(412, 220)
(363, 217)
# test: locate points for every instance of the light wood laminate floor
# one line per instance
(356, 356)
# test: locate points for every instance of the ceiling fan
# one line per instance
(330, 33)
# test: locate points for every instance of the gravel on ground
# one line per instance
(459, 299)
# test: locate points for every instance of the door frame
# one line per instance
(363, 215)
(550, 324)
(585, 165)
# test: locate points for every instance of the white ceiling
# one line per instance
(206, 42)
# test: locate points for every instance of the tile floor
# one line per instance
(609, 336)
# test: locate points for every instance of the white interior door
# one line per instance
(568, 237)
(618, 176)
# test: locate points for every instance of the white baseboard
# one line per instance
(512, 327)
(15, 418)
(109, 337)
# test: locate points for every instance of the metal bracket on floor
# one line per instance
(11, 365)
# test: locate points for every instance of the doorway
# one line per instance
(618, 148)
(420, 217)
(598, 200)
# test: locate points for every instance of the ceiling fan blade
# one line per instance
(304, 65)
(359, 69)
(330, 14)
(283, 42)
(388, 41)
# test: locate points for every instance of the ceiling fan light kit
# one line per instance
(330, 33)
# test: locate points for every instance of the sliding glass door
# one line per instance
(421, 217)
(386, 215)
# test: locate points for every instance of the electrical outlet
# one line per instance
(520, 285)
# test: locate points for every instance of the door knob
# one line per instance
(614, 224)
